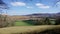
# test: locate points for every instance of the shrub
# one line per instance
(5, 21)
(57, 21)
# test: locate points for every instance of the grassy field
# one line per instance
(22, 27)
(21, 23)
(27, 29)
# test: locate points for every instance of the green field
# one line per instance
(27, 23)
(22, 23)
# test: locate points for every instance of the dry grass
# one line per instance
(27, 29)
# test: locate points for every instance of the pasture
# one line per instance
(27, 29)
(31, 23)
(22, 23)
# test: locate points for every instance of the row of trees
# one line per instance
(45, 21)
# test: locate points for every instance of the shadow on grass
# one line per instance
(53, 31)
(29, 22)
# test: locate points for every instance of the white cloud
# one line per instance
(58, 4)
(29, 7)
(18, 3)
(44, 7)
(39, 5)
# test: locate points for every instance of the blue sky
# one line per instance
(24, 7)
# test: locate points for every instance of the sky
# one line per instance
(24, 7)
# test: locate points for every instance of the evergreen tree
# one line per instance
(47, 21)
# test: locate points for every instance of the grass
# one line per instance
(27, 29)
(22, 23)
(28, 23)
(22, 27)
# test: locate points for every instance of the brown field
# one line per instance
(27, 29)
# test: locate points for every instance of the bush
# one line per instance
(57, 21)
(6, 21)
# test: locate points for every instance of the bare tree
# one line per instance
(3, 6)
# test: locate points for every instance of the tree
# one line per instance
(3, 6)
(57, 21)
(47, 21)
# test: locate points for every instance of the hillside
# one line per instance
(45, 14)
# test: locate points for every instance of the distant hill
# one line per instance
(58, 14)
(45, 15)
(34, 16)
